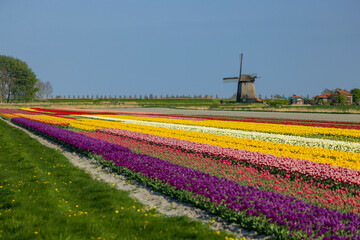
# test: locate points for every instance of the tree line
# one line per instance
(150, 96)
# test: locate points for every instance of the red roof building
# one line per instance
(348, 96)
(296, 100)
(325, 96)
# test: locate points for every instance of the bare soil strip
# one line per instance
(146, 196)
(282, 115)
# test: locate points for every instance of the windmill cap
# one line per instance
(247, 78)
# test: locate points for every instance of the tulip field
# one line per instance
(286, 178)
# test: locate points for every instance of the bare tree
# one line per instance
(48, 89)
(41, 89)
(277, 96)
(327, 91)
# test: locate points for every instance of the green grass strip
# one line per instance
(43, 196)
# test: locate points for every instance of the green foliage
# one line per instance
(276, 102)
(356, 95)
(341, 99)
(17, 80)
(43, 196)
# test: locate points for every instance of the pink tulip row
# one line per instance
(317, 170)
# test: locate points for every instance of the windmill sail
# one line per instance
(246, 88)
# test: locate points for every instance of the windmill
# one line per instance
(246, 87)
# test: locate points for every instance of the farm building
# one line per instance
(328, 97)
(348, 96)
(296, 100)
(325, 98)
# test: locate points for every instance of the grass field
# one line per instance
(43, 196)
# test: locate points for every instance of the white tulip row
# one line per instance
(276, 138)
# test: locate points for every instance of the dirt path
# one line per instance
(282, 115)
(146, 196)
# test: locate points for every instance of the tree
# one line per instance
(48, 90)
(17, 80)
(341, 99)
(41, 89)
(356, 94)
(327, 91)
(277, 96)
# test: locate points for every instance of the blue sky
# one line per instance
(184, 47)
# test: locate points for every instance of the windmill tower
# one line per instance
(246, 87)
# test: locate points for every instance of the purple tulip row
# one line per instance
(282, 210)
(321, 171)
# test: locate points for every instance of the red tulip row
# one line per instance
(65, 112)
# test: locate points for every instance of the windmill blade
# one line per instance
(231, 79)
(241, 57)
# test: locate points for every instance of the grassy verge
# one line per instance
(43, 196)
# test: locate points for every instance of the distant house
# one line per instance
(348, 96)
(296, 100)
(326, 97)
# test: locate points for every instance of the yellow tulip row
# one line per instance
(29, 109)
(333, 157)
(43, 118)
(250, 126)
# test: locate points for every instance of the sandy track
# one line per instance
(146, 196)
(282, 115)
